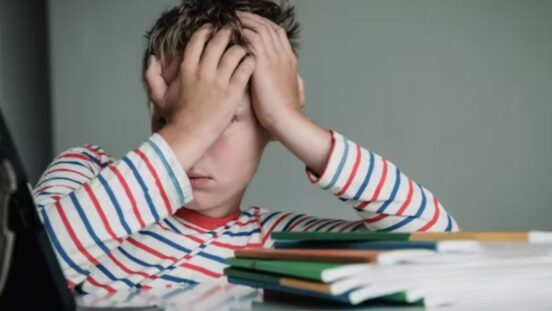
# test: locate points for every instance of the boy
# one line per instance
(222, 82)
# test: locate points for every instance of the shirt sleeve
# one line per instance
(383, 196)
(89, 203)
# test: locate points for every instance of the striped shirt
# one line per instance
(120, 224)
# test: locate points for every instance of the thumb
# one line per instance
(155, 84)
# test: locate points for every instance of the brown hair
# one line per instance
(170, 33)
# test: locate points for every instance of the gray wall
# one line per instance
(457, 93)
(24, 89)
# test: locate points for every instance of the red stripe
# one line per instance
(375, 218)
(101, 213)
(129, 195)
(96, 283)
(75, 156)
(349, 225)
(67, 170)
(157, 180)
(378, 188)
(200, 269)
(435, 216)
(129, 271)
(314, 224)
(49, 187)
(181, 221)
(274, 226)
(72, 234)
(299, 222)
(149, 249)
(235, 247)
(353, 173)
(401, 209)
(408, 199)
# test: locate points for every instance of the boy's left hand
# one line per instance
(277, 93)
(277, 90)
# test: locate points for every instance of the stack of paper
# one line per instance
(433, 269)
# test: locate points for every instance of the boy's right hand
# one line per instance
(202, 100)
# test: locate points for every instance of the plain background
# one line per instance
(457, 93)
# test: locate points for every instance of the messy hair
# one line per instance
(170, 33)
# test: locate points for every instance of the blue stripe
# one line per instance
(113, 278)
(68, 162)
(165, 241)
(324, 225)
(409, 219)
(171, 225)
(212, 257)
(139, 261)
(291, 221)
(115, 203)
(57, 245)
(169, 170)
(144, 188)
(92, 158)
(449, 224)
(86, 223)
(366, 179)
(341, 222)
(57, 178)
(177, 279)
(340, 167)
(393, 193)
(310, 222)
(243, 233)
(268, 218)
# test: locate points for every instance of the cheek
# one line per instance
(237, 154)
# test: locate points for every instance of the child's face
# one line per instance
(231, 162)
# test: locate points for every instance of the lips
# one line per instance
(198, 179)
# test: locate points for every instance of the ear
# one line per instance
(301, 90)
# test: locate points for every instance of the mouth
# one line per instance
(197, 180)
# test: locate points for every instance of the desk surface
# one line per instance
(224, 296)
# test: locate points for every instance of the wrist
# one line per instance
(286, 123)
(188, 142)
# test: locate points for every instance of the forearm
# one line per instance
(304, 138)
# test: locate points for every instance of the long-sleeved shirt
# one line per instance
(122, 224)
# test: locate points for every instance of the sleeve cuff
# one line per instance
(175, 173)
(331, 169)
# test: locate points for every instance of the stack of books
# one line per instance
(430, 269)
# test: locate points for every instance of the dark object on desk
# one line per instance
(28, 263)
(30, 275)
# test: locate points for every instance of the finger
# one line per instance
(255, 43)
(266, 32)
(196, 45)
(215, 48)
(284, 41)
(170, 69)
(155, 84)
(275, 28)
(243, 73)
(230, 60)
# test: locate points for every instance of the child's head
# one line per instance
(232, 161)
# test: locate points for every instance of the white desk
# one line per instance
(205, 297)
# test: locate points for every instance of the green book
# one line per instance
(317, 271)
(349, 295)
